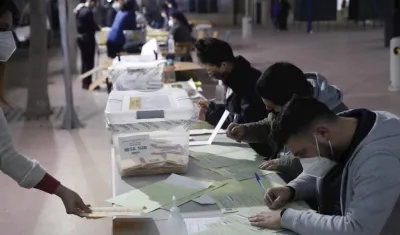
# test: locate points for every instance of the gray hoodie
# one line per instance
(258, 132)
(330, 95)
(370, 188)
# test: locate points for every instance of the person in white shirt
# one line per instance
(26, 172)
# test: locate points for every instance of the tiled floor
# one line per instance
(355, 61)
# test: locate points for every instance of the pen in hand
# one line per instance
(262, 186)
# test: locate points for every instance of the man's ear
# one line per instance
(322, 133)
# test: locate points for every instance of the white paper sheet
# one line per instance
(197, 225)
(187, 182)
(214, 133)
(204, 200)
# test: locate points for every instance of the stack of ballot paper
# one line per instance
(239, 164)
(241, 194)
(159, 195)
(165, 157)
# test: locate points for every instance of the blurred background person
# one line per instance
(283, 14)
(110, 13)
(124, 20)
(180, 28)
(86, 27)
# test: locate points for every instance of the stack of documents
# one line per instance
(241, 194)
(234, 162)
(157, 195)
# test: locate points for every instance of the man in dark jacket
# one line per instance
(276, 86)
(110, 14)
(240, 78)
(87, 27)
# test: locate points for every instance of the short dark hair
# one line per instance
(8, 5)
(281, 81)
(298, 116)
(164, 8)
(213, 51)
(180, 17)
(129, 5)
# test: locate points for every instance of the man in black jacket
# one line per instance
(240, 78)
(87, 27)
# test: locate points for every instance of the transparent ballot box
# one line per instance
(150, 130)
(136, 73)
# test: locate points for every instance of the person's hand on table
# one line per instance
(267, 219)
(235, 131)
(72, 201)
(279, 196)
(271, 165)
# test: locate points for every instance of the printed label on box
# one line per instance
(137, 146)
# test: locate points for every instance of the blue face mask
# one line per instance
(7, 45)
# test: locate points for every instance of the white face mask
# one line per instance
(170, 23)
(7, 45)
(318, 166)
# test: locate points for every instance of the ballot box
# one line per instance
(136, 73)
(150, 130)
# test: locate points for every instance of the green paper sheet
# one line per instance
(217, 149)
(183, 200)
(244, 223)
(233, 229)
(210, 160)
(198, 125)
(242, 171)
(152, 196)
(239, 194)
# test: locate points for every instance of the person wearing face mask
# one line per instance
(240, 79)
(26, 172)
(276, 86)
(353, 162)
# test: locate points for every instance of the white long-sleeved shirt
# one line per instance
(26, 172)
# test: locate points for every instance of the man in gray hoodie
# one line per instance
(276, 86)
(360, 148)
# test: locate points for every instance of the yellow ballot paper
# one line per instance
(154, 196)
(103, 212)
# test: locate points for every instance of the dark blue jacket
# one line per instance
(124, 20)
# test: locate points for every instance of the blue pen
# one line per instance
(262, 186)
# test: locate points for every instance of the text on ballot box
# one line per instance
(137, 146)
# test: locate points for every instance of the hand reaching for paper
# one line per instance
(72, 201)
(203, 107)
